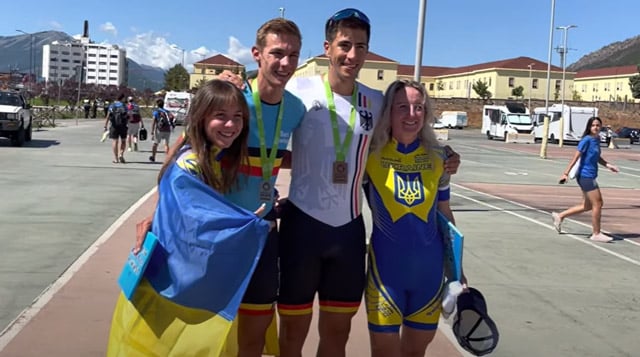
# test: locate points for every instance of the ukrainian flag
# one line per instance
(192, 288)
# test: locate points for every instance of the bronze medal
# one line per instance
(340, 172)
(266, 191)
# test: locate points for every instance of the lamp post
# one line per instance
(30, 56)
(281, 12)
(175, 47)
(563, 56)
(417, 69)
(530, 65)
(543, 146)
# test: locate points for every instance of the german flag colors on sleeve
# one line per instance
(192, 288)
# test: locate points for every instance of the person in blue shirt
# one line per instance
(589, 154)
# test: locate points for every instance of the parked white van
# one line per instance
(178, 104)
(499, 120)
(575, 121)
(453, 119)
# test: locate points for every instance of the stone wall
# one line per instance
(615, 114)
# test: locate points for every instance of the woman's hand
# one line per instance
(142, 228)
(260, 210)
(612, 167)
(452, 161)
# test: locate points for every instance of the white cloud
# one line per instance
(153, 50)
(240, 53)
(55, 25)
(108, 27)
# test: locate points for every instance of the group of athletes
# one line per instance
(345, 136)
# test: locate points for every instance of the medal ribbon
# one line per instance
(340, 149)
(266, 162)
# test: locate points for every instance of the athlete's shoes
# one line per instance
(600, 238)
(135, 146)
(557, 221)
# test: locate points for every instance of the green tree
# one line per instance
(634, 85)
(576, 96)
(176, 78)
(518, 92)
(482, 90)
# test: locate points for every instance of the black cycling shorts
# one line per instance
(316, 257)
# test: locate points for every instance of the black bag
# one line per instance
(142, 134)
(118, 115)
(164, 121)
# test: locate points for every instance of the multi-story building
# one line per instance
(210, 68)
(93, 63)
(606, 84)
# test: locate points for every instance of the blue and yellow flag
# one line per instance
(198, 273)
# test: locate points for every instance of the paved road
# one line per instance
(551, 294)
(60, 192)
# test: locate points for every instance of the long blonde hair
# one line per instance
(382, 131)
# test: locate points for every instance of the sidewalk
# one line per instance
(72, 318)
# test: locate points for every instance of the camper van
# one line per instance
(575, 121)
(178, 104)
(499, 120)
(453, 119)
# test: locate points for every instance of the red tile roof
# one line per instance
(370, 57)
(608, 72)
(521, 63)
(220, 60)
(425, 71)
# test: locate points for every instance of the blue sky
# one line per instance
(457, 33)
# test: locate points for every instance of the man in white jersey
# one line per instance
(322, 234)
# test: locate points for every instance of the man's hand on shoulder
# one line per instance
(452, 163)
(229, 76)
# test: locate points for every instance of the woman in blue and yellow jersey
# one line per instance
(406, 186)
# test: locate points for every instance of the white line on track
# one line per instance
(572, 236)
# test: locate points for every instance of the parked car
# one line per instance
(632, 133)
(438, 124)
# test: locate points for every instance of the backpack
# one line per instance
(134, 111)
(118, 115)
(164, 122)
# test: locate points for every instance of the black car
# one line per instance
(632, 133)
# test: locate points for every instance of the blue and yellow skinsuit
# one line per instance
(405, 275)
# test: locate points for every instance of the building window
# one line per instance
(534, 83)
(558, 84)
(607, 87)
(489, 82)
(380, 74)
(511, 82)
(458, 84)
(431, 86)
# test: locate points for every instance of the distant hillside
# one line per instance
(622, 53)
(14, 55)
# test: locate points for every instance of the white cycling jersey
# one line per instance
(314, 153)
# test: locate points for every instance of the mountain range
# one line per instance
(15, 52)
(621, 53)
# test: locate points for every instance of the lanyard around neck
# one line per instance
(266, 162)
(341, 148)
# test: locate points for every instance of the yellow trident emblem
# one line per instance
(409, 189)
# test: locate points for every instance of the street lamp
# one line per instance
(30, 56)
(180, 49)
(281, 12)
(563, 55)
(530, 65)
(543, 147)
(417, 69)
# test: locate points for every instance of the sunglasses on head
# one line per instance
(347, 14)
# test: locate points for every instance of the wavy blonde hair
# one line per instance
(382, 132)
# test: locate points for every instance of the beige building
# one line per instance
(210, 68)
(606, 84)
(378, 72)
(501, 77)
